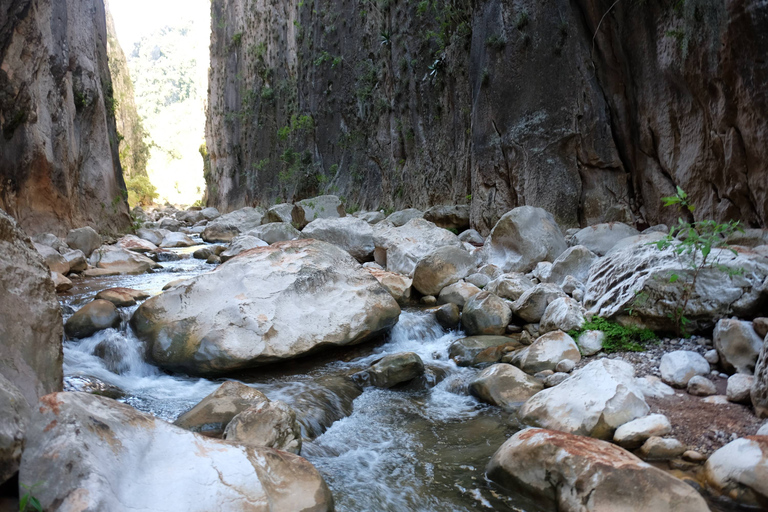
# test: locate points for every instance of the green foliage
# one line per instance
(323, 57)
(618, 338)
(29, 500)
(141, 191)
(422, 7)
(236, 40)
(267, 94)
(496, 42)
(522, 20)
(303, 123)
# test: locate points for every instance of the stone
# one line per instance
(282, 212)
(661, 448)
(457, 293)
(533, 302)
(428, 300)
(601, 238)
(170, 224)
(398, 285)
(759, 393)
(137, 244)
(121, 261)
(61, 283)
(471, 236)
(442, 267)
(150, 235)
(349, 233)
(92, 318)
(122, 297)
(653, 387)
(246, 311)
(125, 445)
(633, 434)
(448, 316)
(510, 286)
(271, 424)
(555, 379)
(591, 342)
(400, 218)
(573, 287)
(738, 469)
(763, 431)
(712, 356)
(391, 370)
(547, 352)
(190, 216)
(574, 262)
(177, 240)
(737, 344)
(474, 350)
(214, 412)
(229, 225)
(523, 237)
(565, 366)
(701, 386)
(485, 313)
(370, 217)
(542, 270)
(84, 239)
(399, 249)
(449, 216)
(76, 260)
(240, 244)
(564, 314)
(678, 367)
(563, 472)
(477, 279)
(210, 213)
(760, 325)
(321, 207)
(13, 425)
(504, 385)
(274, 232)
(693, 456)
(51, 241)
(54, 260)
(599, 398)
(739, 387)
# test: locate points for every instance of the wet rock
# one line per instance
(400, 218)
(228, 226)
(76, 260)
(739, 387)
(92, 318)
(737, 344)
(448, 316)
(84, 239)
(599, 398)
(504, 385)
(245, 312)
(150, 235)
(398, 285)
(661, 448)
(633, 434)
(485, 313)
(54, 260)
(121, 261)
(678, 367)
(204, 253)
(213, 259)
(399, 249)
(270, 424)
(122, 297)
(738, 469)
(591, 342)
(324, 402)
(546, 352)
(563, 472)
(564, 314)
(701, 386)
(274, 232)
(533, 302)
(510, 286)
(574, 262)
(321, 207)
(240, 244)
(13, 425)
(457, 293)
(61, 283)
(281, 213)
(471, 236)
(126, 445)
(391, 370)
(449, 216)
(523, 237)
(601, 238)
(442, 267)
(177, 240)
(214, 412)
(482, 349)
(349, 233)
(137, 244)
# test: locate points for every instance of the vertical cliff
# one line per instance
(592, 109)
(59, 164)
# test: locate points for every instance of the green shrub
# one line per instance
(618, 338)
(141, 191)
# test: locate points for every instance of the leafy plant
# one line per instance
(141, 191)
(29, 500)
(618, 338)
(496, 42)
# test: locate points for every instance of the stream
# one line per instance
(421, 447)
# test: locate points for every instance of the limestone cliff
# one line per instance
(59, 163)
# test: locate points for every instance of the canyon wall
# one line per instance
(591, 109)
(59, 164)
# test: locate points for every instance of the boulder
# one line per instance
(76, 260)
(449, 217)
(84, 239)
(442, 267)
(633, 434)
(564, 314)
(92, 318)
(61, 283)
(55, 261)
(31, 328)
(678, 367)
(701, 386)
(591, 342)
(371, 217)
(533, 302)
(641, 270)
(568, 473)
(594, 401)
(349, 233)
(204, 253)
(391, 370)
(282, 212)
(136, 244)
(122, 297)
(737, 344)
(245, 312)
(482, 349)
(759, 393)
(274, 232)
(398, 285)
(214, 412)
(177, 240)
(760, 325)
(210, 213)
(738, 388)
(191, 216)
(510, 286)
(51, 241)
(399, 249)
(574, 262)
(97, 443)
(457, 293)
(653, 387)
(522, 238)
(321, 207)
(448, 316)
(504, 385)
(485, 313)
(601, 238)
(738, 470)
(240, 244)
(13, 425)
(270, 424)
(478, 279)
(150, 235)
(546, 352)
(170, 224)
(121, 261)
(472, 237)
(661, 448)
(228, 226)
(400, 218)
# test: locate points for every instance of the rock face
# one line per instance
(567, 473)
(168, 467)
(244, 313)
(31, 328)
(738, 471)
(59, 165)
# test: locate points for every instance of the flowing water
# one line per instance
(422, 447)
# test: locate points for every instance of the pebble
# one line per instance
(701, 386)
(565, 366)
(712, 357)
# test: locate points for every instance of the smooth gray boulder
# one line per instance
(633, 434)
(55, 261)
(371, 217)
(349, 233)
(401, 217)
(176, 240)
(701, 386)
(504, 385)
(575, 262)
(240, 244)
(274, 232)
(442, 267)
(391, 370)
(399, 249)
(564, 314)
(121, 261)
(533, 302)
(321, 207)
(739, 387)
(214, 412)
(228, 226)
(601, 238)
(547, 352)
(485, 313)
(737, 345)
(474, 350)
(152, 236)
(678, 367)
(457, 293)
(510, 286)
(84, 239)
(76, 260)
(449, 216)
(92, 318)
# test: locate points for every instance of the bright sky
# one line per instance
(135, 18)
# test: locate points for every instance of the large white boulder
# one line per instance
(601, 238)
(440, 268)
(504, 385)
(680, 366)
(563, 314)
(228, 226)
(119, 260)
(522, 238)
(320, 207)
(349, 233)
(510, 286)
(399, 249)
(96, 454)
(485, 313)
(546, 352)
(566, 473)
(594, 401)
(575, 262)
(738, 470)
(273, 232)
(267, 304)
(737, 344)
